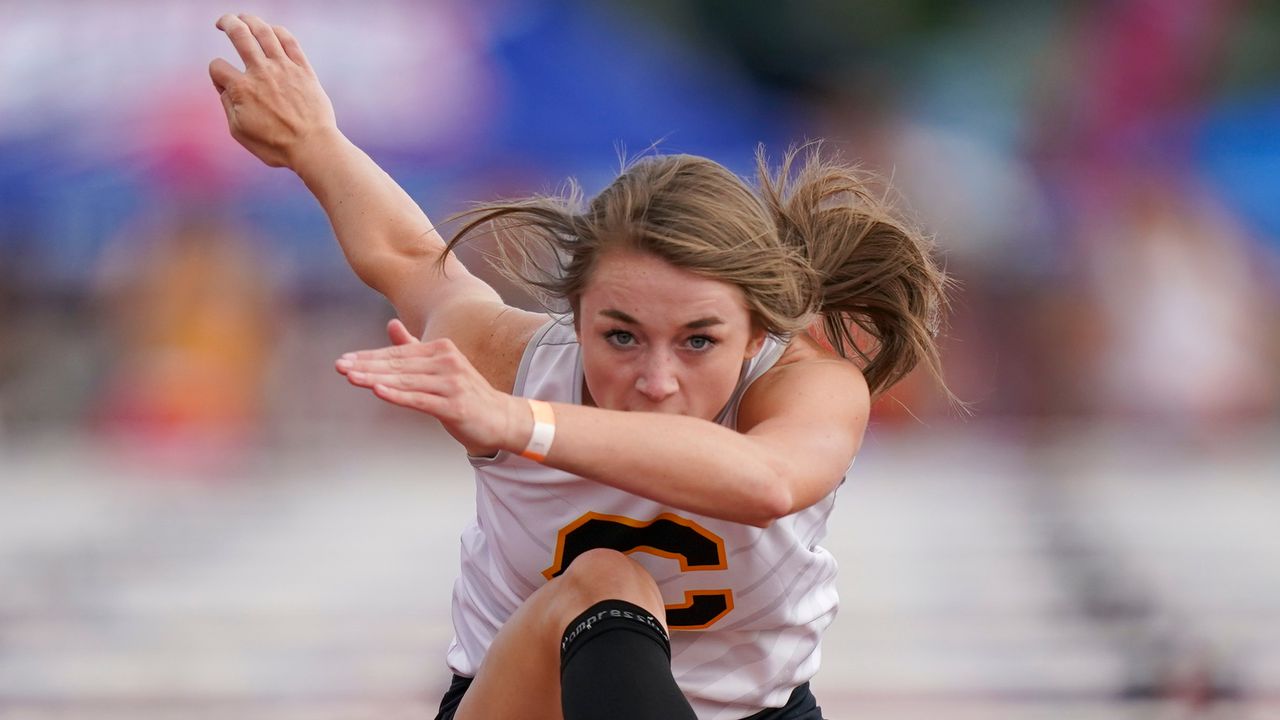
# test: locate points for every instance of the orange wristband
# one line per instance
(544, 431)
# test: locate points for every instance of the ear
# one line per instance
(575, 303)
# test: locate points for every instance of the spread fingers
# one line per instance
(242, 38)
(291, 46)
(265, 36)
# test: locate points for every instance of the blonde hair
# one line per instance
(806, 243)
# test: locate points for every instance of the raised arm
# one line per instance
(277, 109)
(798, 429)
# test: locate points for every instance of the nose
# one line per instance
(657, 381)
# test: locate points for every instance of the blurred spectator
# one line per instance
(1185, 313)
(191, 315)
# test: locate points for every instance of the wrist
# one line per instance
(519, 425)
(536, 430)
(315, 152)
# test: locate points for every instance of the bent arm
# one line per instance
(799, 425)
(800, 430)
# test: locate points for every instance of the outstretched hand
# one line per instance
(276, 104)
(437, 379)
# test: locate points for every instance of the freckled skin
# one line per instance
(657, 363)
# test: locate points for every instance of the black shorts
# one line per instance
(800, 706)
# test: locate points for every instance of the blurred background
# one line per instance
(198, 518)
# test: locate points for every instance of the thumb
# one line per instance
(399, 334)
(223, 73)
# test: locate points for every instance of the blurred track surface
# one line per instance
(1093, 576)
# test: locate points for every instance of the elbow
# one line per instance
(773, 502)
(374, 269)
(369, 275)
(386, 268)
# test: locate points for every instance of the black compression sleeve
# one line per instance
(615, 664)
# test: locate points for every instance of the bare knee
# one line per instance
(601, 574)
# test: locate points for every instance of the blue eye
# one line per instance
(621, 338)
(701, 342)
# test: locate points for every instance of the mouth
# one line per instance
(660, 408)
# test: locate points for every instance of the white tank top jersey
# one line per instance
(747, 606)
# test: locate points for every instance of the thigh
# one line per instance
(520, 676)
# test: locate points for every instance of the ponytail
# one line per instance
(882, 296)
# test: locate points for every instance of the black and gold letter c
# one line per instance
(667, 535)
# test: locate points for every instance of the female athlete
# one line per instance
(657, 458)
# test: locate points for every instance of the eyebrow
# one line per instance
(694, 325)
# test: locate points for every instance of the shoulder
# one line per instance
(809, 382)
(809, 411)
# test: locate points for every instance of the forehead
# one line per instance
(649, 288)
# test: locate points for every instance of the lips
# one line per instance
(662, 409)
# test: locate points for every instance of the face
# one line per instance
(657, 338)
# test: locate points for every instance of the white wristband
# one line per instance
(544, 431)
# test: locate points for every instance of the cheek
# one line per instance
(606, 379)
(713, 383)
